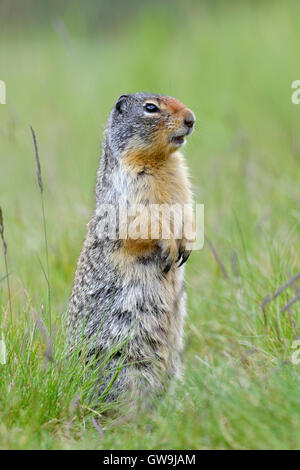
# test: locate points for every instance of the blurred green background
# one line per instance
(64, 64)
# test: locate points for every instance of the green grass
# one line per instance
(233, 65)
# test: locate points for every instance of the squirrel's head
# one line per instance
(148, 126)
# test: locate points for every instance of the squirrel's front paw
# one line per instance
(184, 251)
(169, 254)
(183, 255)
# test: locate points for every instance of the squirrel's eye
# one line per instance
(151, 108)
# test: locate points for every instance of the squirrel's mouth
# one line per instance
(179, 140)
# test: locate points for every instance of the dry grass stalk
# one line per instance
(292, 320)
(49, 356)
(290, 303)
(277, 332)
(217, 258)
(4, 244)
(40, 183)
(97, 426)
(270, 298)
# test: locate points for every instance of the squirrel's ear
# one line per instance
(120, 103)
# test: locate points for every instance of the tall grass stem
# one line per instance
(40, 183)
(5, 260)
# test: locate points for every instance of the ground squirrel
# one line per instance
(128, 292)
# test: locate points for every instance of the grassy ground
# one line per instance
(234, 67)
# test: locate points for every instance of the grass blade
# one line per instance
(40, 183)
(4, 244)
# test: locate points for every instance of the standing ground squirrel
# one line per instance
(128, 294)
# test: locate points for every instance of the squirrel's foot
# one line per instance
(169, 254)
(184, 251)
(183, 255)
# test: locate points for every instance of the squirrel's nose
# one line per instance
(189, 119)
